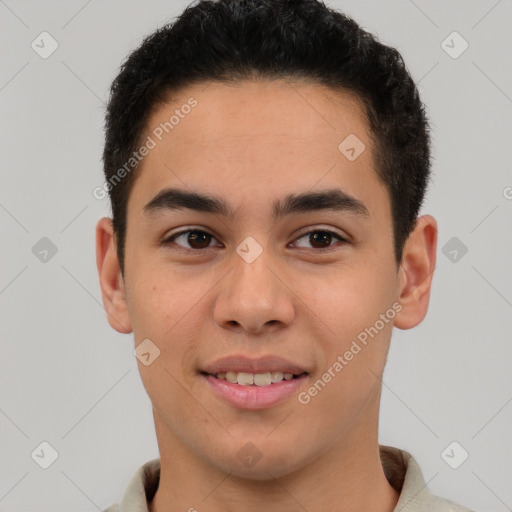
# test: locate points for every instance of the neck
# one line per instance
(347, 478)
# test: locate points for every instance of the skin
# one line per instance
(252, 143)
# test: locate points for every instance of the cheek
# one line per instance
(347, 299)
(159, 302)
(170, 311)
(170, 317)
(349, 380)
(357, 305)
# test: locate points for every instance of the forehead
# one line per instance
(258, 136)
(275, 110)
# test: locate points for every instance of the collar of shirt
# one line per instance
(400, 468)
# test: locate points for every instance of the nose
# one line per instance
(255, 297)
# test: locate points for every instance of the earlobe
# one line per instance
(416, 273)
(111, 279)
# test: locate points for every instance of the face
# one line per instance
(281, 263)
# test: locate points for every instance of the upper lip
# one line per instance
(240, 363)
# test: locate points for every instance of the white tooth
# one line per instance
(276, 376)
(288, 376)
(245, 379)
(221, 375)
(231, 377)
(262, 379)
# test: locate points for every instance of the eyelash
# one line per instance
(173, 237)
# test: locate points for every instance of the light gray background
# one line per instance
(67, 378)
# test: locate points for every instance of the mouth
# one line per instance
(254, 384)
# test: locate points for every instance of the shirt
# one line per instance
(400, 468)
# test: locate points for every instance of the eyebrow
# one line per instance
(333, 199)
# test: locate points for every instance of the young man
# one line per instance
(266, 162)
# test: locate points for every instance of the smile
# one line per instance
(248, 383)
(254, 391)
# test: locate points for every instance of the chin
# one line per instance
(259, 460)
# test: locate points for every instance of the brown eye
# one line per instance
(321, 239)
(196, 239)
(199, 239)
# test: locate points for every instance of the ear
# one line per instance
(111, 279)
(416, 272)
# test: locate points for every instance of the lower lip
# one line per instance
(254, 397)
